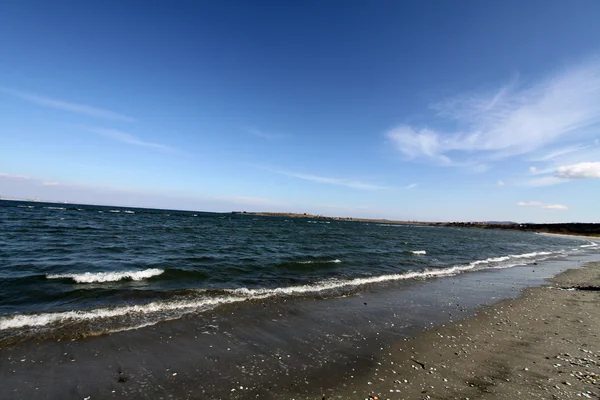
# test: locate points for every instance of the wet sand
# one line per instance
(372, 343)
(543, 345)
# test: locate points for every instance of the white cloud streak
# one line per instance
(556, 153)
(412, 186)
(579, 171)
(67, 106)
(265, 135)
(514, 120)
(128, 138)
(13, 177)
(542, 205)
(328, 180)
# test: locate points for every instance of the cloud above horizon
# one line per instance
(354, 184)
(266, 135)
(128, 138)
(513, 120)
(579, 171)
(542, 205)
(68, 106)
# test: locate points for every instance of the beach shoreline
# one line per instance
(305, 348)
(544, 344)
(570, 236)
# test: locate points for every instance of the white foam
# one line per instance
(99, 277)
(491, 260)
(496, 260)
(160, 311)
(55, 208)
(181, 307)
(336, 261)
(129, 212)
(591, 244)
(418, 252)
(114, 211)
(531, 255)
(337, 284)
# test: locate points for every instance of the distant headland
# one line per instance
(569, 228)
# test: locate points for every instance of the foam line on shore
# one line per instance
(181, 307)
(155, 312)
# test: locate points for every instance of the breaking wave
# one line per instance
(336, 261)
(141, 315)
(99, 277)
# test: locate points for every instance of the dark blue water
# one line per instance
(121, 268)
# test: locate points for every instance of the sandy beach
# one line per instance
(543, 345)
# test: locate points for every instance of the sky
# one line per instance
(411, 110)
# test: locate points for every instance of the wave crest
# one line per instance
(336, 261)
(152, 313)
(100, 277)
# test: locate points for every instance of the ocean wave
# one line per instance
(99, 277)
(175, 309)
(129, 212)
(418, 252)
(336, 261)
(55, 208)
(591, 244)
(181, 307)
(502, 259)
(155, 312)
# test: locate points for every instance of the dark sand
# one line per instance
(543, 345)
(346, 348)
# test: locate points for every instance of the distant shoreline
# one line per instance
(314, 216)
(568, 229)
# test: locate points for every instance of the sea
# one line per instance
(97, 270)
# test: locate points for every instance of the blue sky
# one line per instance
(421, 110)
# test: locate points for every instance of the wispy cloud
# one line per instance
(579, 171)
(562, 174)
(542, 181)
(50, 183)
(516, 119)
(128, 138)
(501, 183)
(412, 186)
(68, 106)
(556, 153)
(327, 180)
(542, 205)
(13, 177)
(266, 135)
